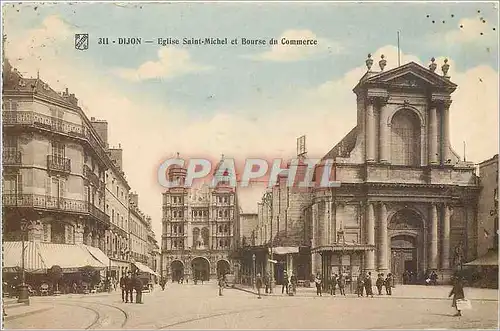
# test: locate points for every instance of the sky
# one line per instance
(249, 100)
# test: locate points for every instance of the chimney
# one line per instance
(134, 199)
(116, 155)
(73, 100)
(102, 130)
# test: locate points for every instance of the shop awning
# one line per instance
(343, 247)
(488, 259)
(144, 268)
(41, 256)
(98, 254)
(12, 251)
(285, 250)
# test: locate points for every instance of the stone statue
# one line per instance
(458, 255)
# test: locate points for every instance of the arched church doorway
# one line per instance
(407, 246)
(223, 267)
(201, 268)
(177, 268)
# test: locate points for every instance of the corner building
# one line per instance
(407, 201)
(199, 226)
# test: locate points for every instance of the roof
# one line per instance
(488, 259)
(410, 75)
(344, 147)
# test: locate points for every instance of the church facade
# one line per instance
(407, 202)
(200, 225)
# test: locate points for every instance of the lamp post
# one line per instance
(24, 295)
(253, 273)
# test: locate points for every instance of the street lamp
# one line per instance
(24, 295)
(254, 268)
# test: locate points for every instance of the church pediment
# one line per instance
(410, 76)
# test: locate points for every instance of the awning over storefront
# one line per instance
(98, 254)
(42, 256)
(145, 268)
(343, 247)
(12, 251)
(285, 250)
(488, 259)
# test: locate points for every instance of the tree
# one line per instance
(55, 274)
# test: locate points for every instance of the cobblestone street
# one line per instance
(200, 307)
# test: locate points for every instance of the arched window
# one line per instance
(405, 138)
(226, 213)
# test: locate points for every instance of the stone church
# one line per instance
(407, 202)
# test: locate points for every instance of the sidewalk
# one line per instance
(399, 292)
(15, 311)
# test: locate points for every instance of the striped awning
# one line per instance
(41, 256)
(11, 259)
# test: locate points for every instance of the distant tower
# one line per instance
(177, 172)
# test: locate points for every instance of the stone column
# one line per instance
(384, 138)
(370, 132)
(314, 237)
(433, 255)
(326, 234)
(370, 237)
(189, 235)
(333, 224)
(433, 136)
(383, 240)
(445, 253)
(79, 234)
(445, 140)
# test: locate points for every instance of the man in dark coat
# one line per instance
(284, 283)
(333, 284)
(258, 284)
(138, 289)
(129, 287)
(123, 283)
(341, 284)
(388, 284)
(458, 293)
(369, 285)
(380, 283)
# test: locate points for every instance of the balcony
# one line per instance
(92, 177)
(58, 163)
(11, 158)
(39, 201)
(35, 120)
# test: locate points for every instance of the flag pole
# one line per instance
(399, 53)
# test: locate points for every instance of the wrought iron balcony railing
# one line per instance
(54, 124)
(54, 203)
(92, 177)
(58, 163)
(12, 157)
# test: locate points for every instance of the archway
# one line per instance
(223, 267)
(201, 268)
(407, 246)
(405, 138)
(177, 268)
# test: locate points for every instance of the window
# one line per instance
(226, 199)
(405, 138)
(220, 228)
(220, 213)
(58, 150)
(226, 213)
(225, 228)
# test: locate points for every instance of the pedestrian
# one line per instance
(129, 287)
(187, 279)
(258, 284)
(341, 282)
(123, 286)
(458, 293)
(388, 284)
(360, 285)
(333, 284)
(317, 281)
(221, 285)
(380, 283)
(266, 282)
(284, 283)
(434, 278)
(368, 285)
(293, 282)
(138, 289)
